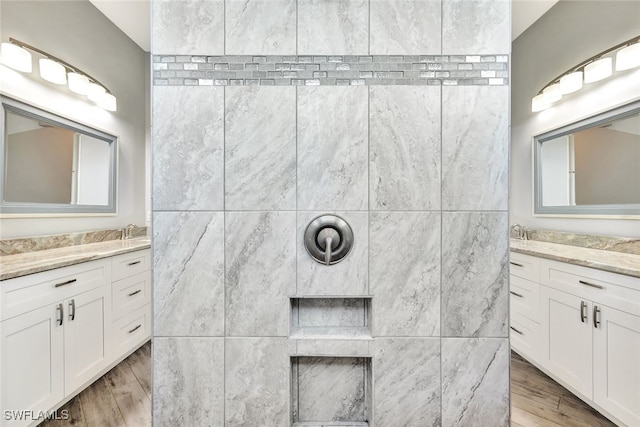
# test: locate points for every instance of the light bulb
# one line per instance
(598, 70)
(628, 58)
(108, 102)
(571, 82)
(95, 92)
(15, 57)
(552, 93)
(52, 71)
(539, 103)
(78, 83)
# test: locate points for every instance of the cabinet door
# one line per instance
(86, 336)
(31, 357)
(567, 340)
(616, 364)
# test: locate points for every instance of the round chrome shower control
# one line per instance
(328, 239)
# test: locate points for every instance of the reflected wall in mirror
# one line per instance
(53, 165)
(590, 167)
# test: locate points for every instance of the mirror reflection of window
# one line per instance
(39, 161)
(45, 163)
(595, 166)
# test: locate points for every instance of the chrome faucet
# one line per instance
(521, 231)
(126, 232)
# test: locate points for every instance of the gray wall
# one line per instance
(78, 33)
(569, 33)
(419, 171)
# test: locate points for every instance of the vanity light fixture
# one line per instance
(594, 69)
(16, 55)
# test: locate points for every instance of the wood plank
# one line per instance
(550, 415)
(134, 404)
(576, 408)
(545, 398)
(121, 374)
(520, 417)
(140, 364)
(99, 406)
(74, 412)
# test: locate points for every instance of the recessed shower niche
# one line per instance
(331, 391)
(344, 317)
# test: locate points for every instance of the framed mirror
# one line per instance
(53, 165)
(591, 167)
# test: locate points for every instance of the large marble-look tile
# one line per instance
(260, 148)
(405, 273)
(405, 148)
(188, 382)
(332, 148)
(475, 148)
(260, 27)
(476, 27)
(257, 382)
(260, 272)
(330, 389)
(349, 277)
(475, 252)
(188, 299)
(475, 382)
(188, 27)
(405, 27)
(188, 148)
(407, 382)
(333, 27)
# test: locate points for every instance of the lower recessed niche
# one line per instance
(330, 391)
(330, 318)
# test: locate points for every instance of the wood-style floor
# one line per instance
(122, 398)
(537, 400)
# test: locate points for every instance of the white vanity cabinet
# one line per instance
(61, 329)
(524, 302)
(131, 300)
(589, 336)
(49, 352)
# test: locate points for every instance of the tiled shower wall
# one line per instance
(418, 166)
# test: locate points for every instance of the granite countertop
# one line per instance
(615, 262)
(12, 266)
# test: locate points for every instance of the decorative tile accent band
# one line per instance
(338, 70)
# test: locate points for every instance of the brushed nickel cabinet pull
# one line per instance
(515, 330)
(60, 313)
(134, 263)
(591, 284)
(135, 329)
(583, 311)
(596, 311)
(135, 292)
(68, 282)
(72, 309)
(516, 264)
(516, 294)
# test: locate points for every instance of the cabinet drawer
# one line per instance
(132, 330)
(131, 263)
(29, 292)
(525, 266)
(524, 297)
(614, 290)
(525, 336)
(131, 293)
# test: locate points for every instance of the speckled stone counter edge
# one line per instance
(608, 243)
(39, 243)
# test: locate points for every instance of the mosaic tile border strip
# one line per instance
(338, 70)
